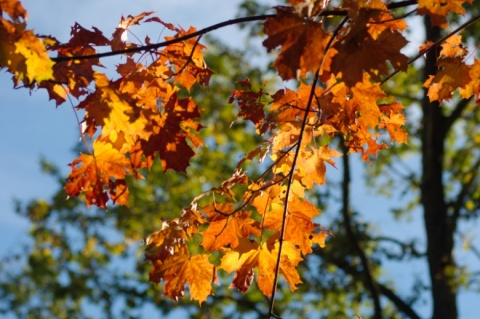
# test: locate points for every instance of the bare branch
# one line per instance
(399, 303)
(456, 113)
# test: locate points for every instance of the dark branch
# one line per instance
(399, 303)
(352, 236)
(456, 113)
(165, 43)
(205, 31)
(464, 191)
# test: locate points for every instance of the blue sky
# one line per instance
(31, 127)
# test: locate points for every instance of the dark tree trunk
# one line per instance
(439, 225)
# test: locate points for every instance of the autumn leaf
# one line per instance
(180, 270)
(352, 55)
(119, 37)
(303, 42)
(453, 74)
(473, 87)
(251, 258)
(312, 169)
(110, 110)
(439, 9)
(170, 130)
(21, 51)
(394, 121)
(251, 105)
(225, 227)
(93, 173)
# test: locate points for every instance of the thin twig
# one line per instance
(165, 43)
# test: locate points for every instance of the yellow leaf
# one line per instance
(39, 66)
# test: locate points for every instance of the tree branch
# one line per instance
(207, 30)
(463, 192)
(456, 113)
(384, 290)
(351, 234)
(399, 303)
(164, 43)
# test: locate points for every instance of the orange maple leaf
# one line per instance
(299, 218)
(311, 165)
(394, 121)
(187, 60)
(353, 54)
(250, 257)
(453, 48)
(473, 87)
(226, 228)
(180, 270)
(120, 121)
(303, 42)
(100, 175)
(439, 9)
(453, 74)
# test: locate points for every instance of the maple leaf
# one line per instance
(225, 227)
(21, 51)
(300, 226)
(187, 60)
(167, 241)
(452, 71)
(473, 87)
(251, 105)
(394, 121)
(439, 9)
(180, 270)
(453, 74)
(312, 168)
(302, 41)
(92, 175)
(170, 131)
(453, 48)
(250, 257)
(78, 75)
(38, 65)
(289, 105)
(107, 108)
(119, 37)
(353, 54)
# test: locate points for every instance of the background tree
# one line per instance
(342, 279)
